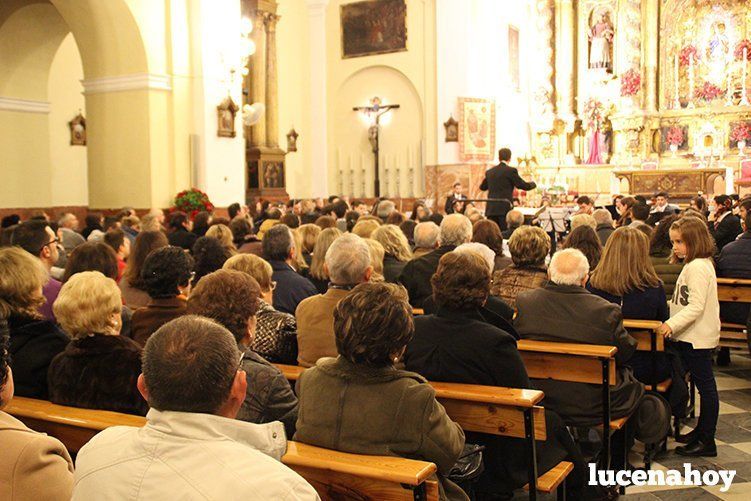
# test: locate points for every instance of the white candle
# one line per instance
(691, 81)
(676, 96)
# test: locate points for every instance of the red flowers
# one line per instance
(708, 92)
(687, 54)
(630, 83)
(740, 131)
(675, 135)
(192, 202)
(743, 44)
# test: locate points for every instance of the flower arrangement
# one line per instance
(740, 131)
(743, 44)
(687, 54)
(675, 135)
(708, 92)
(594, 111)
(630, 83)
(192, 202)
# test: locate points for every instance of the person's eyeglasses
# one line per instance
(55, 241)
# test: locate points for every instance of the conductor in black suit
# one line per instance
(500, 182)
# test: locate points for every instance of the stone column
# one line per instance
(318, 143)
(272, 97)
(565, 31)
(257, 89)
(650, 35)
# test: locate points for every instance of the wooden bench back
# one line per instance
(576, 363)
(642, 330)
(484, 409)
(734, 290)
(334, 475)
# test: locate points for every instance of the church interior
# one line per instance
(619, 113)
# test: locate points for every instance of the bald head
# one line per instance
(456, 229)
(569, 267)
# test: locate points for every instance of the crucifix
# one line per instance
(375, 109)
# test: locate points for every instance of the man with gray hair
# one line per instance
(291, 288)
(456, 229)
(564, 311)
(604, 228)
(426, 238)
(69, 236)
(195, 387)
(385, 208)
(347, 264)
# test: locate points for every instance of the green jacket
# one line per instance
(378, 411)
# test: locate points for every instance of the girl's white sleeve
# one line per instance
(698, 280)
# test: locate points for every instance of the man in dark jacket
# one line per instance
(455, 202)
(735, 262)
(291, 288)
(724, 225)
(500, 182)
(564, 311)
(604, 225)
(456, 229)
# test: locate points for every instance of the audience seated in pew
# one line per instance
(426, 238)
(279, 251)
(396, 248)
(232, 298)
(564, 311)
(34, 340)
(456, 229)
(38, 239)
(529, 246)
(372, 326)
(457, 345)
(318, 274)
(180, 234)
(488, 233)
(132, 285)
(660, 251)
(32, 465)
(166, 277)
(584, 239)
(99, 367)
(209, 255)
(276, 332)
(347, 264)
(191, 446)
(734, 261)
(724, 226)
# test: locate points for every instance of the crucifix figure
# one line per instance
(375, 109)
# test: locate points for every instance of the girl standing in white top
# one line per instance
(694, 324)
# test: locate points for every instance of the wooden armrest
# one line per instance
(582, 350)
(418, 311)
(733, 281)
(22, 407)
(728, 325)
(641, 324)
(617, 424)
(513, 397)
(389, 468)
(554, 477)
(661, 387)
(291, 372)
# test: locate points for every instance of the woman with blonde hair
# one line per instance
(626, 276)
(88, 309)
(318, 274)
(366, 226)
(377, 253)
(309, 234)
(301, 266)
(396, 248)
(222, 233)
(34, 341)
(276, 331)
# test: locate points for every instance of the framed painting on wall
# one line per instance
(513, 57)
(373, 27)
(476, 129)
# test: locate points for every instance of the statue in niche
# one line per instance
(601, 35)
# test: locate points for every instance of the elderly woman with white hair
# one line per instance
(347, 264)
(99, 368)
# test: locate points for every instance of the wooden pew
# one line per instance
(733, 290)
(508, 412)
(576, 363)
(644, 331)
(334, 475)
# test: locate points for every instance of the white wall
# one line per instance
(69, 177)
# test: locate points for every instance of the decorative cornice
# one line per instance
(24, 105)
(139, 81)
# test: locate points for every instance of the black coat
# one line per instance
(495, 312)
(33, 345)
(182, 238)
(568, 314)
(291, 287)
(735, 262)
(98, 372)
(500, 182)
(449, 206)
(460, 347)
(416, 274)
(726, 231)
(392, 268)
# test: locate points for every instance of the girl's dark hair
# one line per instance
(177, 219)
(209, 255)
(166, 269)
(487, 232)
(201, 223)
(146, 241)
(92, 256)
(660, 244)
(408, 228)
(585, 239)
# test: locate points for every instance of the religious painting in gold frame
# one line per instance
(476, 129)
(373, 27)
(226, 112)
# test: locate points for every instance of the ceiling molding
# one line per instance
(24, 105)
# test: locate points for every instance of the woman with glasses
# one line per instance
(166, 274)
(34, 341)
(276, 332)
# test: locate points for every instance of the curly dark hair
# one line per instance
(166, 269)
(487, 232)
(92, 256)
(201, 223)
(210, 256)
(461, 282)
(585, 239)
(373, 323)
(230, 297)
